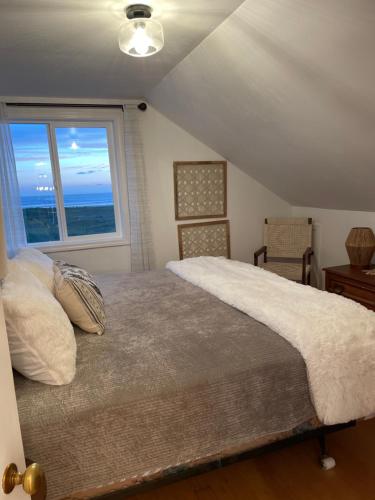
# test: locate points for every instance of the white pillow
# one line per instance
(37, 263)
(40, 335)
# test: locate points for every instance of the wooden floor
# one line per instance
(292, 473)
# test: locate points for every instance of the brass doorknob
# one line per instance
(32, 479)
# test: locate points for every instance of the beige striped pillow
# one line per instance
(80, 297)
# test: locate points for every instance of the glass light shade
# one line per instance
(141, 37)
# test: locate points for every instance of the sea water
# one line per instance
(48, 200)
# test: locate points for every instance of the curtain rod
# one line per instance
(142, 106)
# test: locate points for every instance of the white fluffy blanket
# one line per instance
(335, 336)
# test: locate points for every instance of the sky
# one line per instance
(83, 158)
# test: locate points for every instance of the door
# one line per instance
(11, 448)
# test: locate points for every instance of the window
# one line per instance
(68, 175)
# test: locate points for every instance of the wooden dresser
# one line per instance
(352, 283)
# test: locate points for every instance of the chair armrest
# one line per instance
(307, 255)
(306, 261)
(262, 250)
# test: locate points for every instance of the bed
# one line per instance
(178, 378)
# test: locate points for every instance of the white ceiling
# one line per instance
(69, 48)
(285, 89)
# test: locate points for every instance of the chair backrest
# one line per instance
(287, 237)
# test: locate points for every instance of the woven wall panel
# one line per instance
(204, 238)
(200, 189)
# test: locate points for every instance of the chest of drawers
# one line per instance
(351, 283)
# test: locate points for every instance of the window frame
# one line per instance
(112, 120)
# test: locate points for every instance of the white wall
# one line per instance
(248, 201)
(331, 230)
(97, 260)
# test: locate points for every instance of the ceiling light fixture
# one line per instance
(140, 36)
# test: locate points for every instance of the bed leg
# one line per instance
(326, 462)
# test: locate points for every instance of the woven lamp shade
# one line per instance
(360, 245)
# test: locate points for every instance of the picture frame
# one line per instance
(200, 189)
(204, 238)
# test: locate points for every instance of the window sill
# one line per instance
(74, 247)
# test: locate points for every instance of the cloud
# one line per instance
(85, 172)
(96, 166)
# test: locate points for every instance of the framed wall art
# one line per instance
(204, 238)
(200, 189)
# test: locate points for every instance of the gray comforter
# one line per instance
(177, 378)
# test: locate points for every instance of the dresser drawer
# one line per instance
(352, 291)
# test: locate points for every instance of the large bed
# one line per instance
(178, 378)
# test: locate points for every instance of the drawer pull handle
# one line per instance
(338, 289)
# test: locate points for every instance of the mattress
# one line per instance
(178, 377)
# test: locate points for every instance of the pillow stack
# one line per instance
(41, 338)
(41, 300)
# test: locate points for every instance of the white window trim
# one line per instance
(112, 118)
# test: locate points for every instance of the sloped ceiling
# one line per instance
(285, 89)
(69, 48)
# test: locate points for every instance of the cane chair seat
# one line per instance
(289, 270)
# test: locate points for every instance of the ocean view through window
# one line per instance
(66, 181)
(86, 180)
(34, 170)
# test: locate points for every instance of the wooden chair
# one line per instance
(287, 248)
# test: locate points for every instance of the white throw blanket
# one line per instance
(335, 336)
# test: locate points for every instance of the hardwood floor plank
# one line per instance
(205, 493)
(218, 483)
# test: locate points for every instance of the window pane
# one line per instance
(86, 180)
(35, 179)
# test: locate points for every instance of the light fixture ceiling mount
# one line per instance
(137, 11)
(140, 36)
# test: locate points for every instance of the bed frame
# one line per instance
(183, 472)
